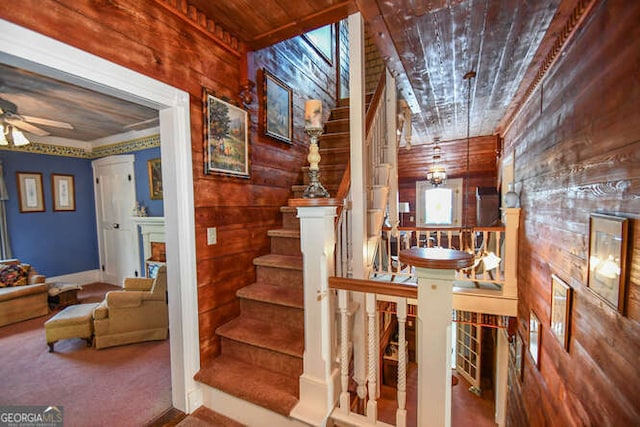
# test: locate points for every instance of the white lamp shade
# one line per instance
(403, 207)
(18, 137)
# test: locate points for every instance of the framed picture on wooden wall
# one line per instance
(607, 258)
(518, 355)
(278, 112)
(154, 169)
(63, 190)
(561, 295)
(30, 193)
(226, 137)
(534, 338)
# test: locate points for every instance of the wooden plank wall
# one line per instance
(179, 46)
(577, 145)
(415, 163)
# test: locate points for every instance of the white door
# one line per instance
(115, 193)
(468, 346)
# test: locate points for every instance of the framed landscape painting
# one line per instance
(278, 115)
(226, 137)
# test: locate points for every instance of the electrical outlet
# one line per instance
(411, 218)
(212, 236)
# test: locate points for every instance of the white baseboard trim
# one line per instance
(80, 278)
(244, 412)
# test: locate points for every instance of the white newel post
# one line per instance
(319, 383)
(512, 224)
(435, 268)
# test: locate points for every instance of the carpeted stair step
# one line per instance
(283, 338)
(335, 156)
(290, 218)
(339, 113)
(205, 417)
(285, 241)
(335, 140)
(286, 296)
(279, 304)
(281, 270)
(334, 126)
(273, 391)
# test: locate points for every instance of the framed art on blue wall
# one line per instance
(64, 192)
(30, 193)
(154, 168)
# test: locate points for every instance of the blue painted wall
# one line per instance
(58, 243)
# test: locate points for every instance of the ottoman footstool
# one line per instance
(75, 321)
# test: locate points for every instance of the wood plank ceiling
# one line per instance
(429, 45)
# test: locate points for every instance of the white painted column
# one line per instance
(435, 269)
(319, 383)
(512, 224)
(358, 192)
(435, 304)
(501, 377)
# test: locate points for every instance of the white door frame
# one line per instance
(32, 51)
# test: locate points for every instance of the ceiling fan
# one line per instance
(11, 124)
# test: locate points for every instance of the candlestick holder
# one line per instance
(315, 188)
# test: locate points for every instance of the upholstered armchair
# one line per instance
(137, 313)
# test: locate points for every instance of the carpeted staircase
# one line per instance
(262, 349)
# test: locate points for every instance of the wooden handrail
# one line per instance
(373, 106)
(403, 290)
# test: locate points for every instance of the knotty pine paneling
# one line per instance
(577, 151)
(162, 43)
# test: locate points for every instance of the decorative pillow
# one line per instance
(14, 274)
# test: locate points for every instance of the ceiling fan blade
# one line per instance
(27, 127)
(144, 122)
(46, 122)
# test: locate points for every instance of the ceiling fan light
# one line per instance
(18, 137)
(3, 138)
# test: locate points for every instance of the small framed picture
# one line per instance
(561, 294)
(64, 192)
(154, 168)
(608, 258)
(534, 338)
(518, 356)
(278, 101)
(31, 198)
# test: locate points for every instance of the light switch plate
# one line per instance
(212, 236)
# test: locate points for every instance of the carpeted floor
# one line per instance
(126, 386)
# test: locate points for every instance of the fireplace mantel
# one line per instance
(151, 230)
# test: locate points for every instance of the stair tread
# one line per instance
(273, 391)
(204, 416)
(284, 232)
(287, 296)
(278, 337)
(280, 261)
